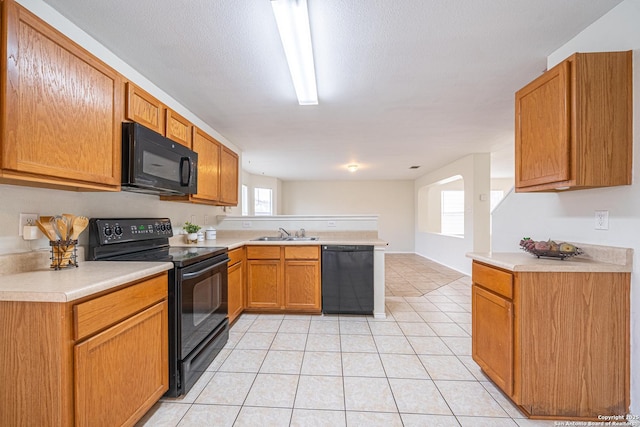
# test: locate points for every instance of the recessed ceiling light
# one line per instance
(352, 167)
(292, 18)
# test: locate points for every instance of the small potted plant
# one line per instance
(192, 232)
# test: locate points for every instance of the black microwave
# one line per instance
(154, 164)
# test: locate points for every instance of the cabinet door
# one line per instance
(121, 372)
(302, 285)
(574, 343)
(263, 284)
(177, 128)
(208, 150)
(492, 336)
(543, 120)
(61, 122)
(145, 109)
(228, 177)
(236, 291)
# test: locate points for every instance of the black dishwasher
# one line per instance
(347, 279)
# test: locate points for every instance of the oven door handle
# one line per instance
(204, 270)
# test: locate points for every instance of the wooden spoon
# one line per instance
(68, 218)
(62, 228)
(47, 230)
(78, 226)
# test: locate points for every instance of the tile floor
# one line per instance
(413, 368)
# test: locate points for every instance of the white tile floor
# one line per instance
(413, 368)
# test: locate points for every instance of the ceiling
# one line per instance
(400, 83)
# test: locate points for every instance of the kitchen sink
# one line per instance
(283, 239)
(269, 239)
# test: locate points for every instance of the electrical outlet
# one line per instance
(246, 224)
(331, 223)
(602, 220)
(206, 220)
(26, 219)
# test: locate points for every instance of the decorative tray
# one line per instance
(553, 251)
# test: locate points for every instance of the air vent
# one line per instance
(414, 167)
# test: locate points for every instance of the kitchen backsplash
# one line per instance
(17, 200)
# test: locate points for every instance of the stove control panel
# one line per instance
(120, 230)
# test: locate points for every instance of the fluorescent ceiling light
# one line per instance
(292, 18)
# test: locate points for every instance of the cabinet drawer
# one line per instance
(235, 256)
(493, 279)
(263, 252)
(302, 252)
(99, 313)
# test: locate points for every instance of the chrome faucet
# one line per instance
(300, 233)
(284, 232)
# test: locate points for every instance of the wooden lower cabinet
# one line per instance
(264, 288)
(284, 278)
(121, 372)
(111, 375)
(302, 285)
(236, 286)
(492, 339)
(557, 343)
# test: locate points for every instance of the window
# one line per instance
(262, 201)
(441, 207)
(452, 212)
(245, 200)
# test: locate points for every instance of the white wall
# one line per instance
(392, 201)
(18, 199)
(450, 250)
(570, 215)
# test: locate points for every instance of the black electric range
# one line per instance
(197, 289)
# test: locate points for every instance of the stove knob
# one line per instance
(107, 231)
(168, 226)
(163, 227)
(118, 230)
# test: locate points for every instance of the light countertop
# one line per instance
(595, 259)
(236, 239)
(42, 284)
(68, 284)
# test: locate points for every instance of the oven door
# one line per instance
(203, 301)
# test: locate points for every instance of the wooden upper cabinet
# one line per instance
(177, 128)
(208, 150)
(62, 109)
(544, 117)
(574, 125)
(217, 173)
(228, 177)
(145, 109)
